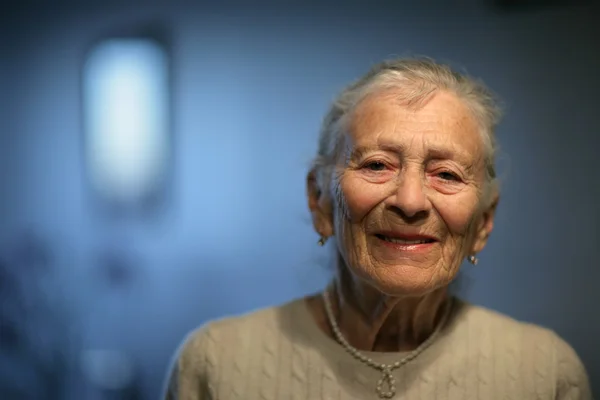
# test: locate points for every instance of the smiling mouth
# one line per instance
(405, 241)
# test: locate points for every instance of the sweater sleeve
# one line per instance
(571, 378)
(187, 379)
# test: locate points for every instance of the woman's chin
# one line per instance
(409, 281)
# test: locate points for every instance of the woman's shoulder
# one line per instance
(237, 331)
(525, 343)
(497, 323)
(503, 328)
(481, 316)
(228, 343)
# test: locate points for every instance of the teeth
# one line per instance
(401, 241)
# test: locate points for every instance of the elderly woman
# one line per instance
(403, 188)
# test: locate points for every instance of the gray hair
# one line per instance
(413, 81)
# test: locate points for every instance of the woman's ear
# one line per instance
(486, 225)
(319, 204)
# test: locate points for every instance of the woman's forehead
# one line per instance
(443, 124)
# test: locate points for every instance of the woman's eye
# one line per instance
(375, 166)
(448, 176)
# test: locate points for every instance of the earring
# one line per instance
(473, 259)
(322, 241)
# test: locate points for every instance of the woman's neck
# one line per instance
(371, 321)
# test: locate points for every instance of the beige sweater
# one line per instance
(280, 353)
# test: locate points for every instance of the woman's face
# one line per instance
(406, 204)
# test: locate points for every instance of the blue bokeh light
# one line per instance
(125, 94)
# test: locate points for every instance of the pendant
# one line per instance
(386, 388)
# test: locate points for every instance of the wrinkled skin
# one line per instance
(413, 171)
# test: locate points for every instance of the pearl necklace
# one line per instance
(386, 388)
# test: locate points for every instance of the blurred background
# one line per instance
(153, 159)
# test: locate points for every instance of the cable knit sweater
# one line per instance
(280, 353)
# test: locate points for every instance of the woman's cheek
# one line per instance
(456, 211)
(360, 197)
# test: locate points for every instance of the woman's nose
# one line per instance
(409, 196)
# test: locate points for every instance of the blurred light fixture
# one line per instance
(126, 103)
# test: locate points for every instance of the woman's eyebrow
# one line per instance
(433, 152)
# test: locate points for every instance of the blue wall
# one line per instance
(250, 86)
